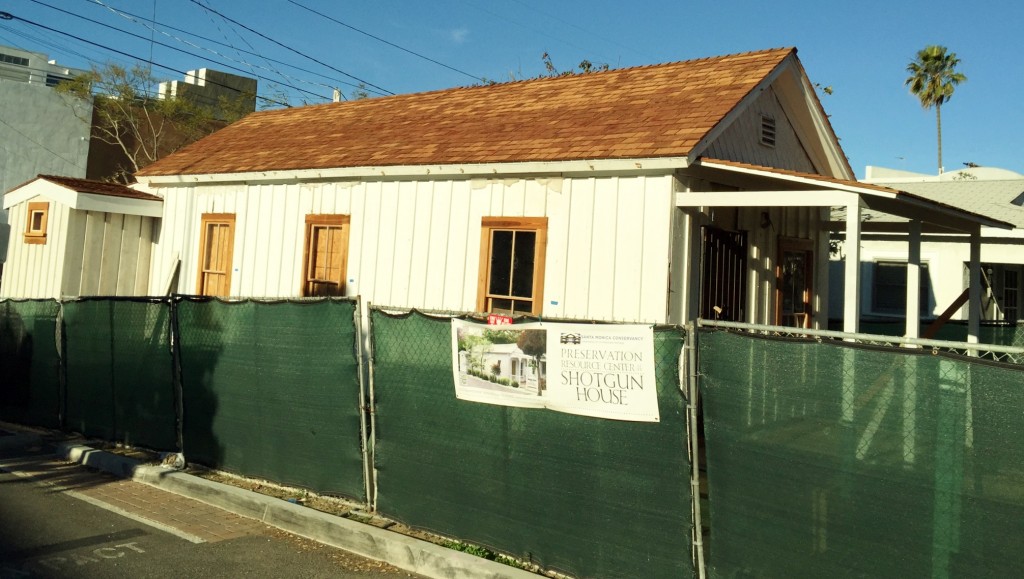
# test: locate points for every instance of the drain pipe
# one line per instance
(692, 393)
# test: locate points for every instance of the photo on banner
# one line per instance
(604, 371)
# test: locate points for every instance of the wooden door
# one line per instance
(216, 244)
(795, 283)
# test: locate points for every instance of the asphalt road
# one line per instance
(47, 532)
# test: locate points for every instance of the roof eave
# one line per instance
(590, 167)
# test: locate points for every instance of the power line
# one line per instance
(136, 18)
(243, 39)
(132, 56)
(363, 32)
(40, 145)
(132, 34)
(286, 47)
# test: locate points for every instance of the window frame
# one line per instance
(538, 225)
(314, 220)
(37, 236)
(924, 289)
(206, 220)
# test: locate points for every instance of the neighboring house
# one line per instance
(945, 255)
(74, 237)
(650, 194)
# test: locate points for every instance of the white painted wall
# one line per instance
(945, 261)
(108, 254)
(417, 243)
(86, 253)
(35, 270)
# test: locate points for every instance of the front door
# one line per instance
(794, 297)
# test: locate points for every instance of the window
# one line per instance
(889, 288)
(16, 60)
(216, 243)
(326, 255)
(1011, 295)
(1001, 291)
(35, 224)
(512, 264)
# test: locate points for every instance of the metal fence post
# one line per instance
(693, 432)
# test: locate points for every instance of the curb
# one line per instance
(413, 555)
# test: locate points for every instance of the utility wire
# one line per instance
(392, 44)
(132, 34)
(40, 145)
(243, 39)
(121, 52)
(286, 47)
(141, 20)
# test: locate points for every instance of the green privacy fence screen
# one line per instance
(834, 460)
(585, 496)
(29, 362)
(119, 376)
(995, 333)
(271, 389)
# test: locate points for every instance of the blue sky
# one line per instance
(860, 49)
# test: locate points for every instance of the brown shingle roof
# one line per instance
(99, 188)
(652, 111)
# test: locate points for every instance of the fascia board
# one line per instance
(490, 170)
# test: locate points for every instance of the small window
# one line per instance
(768, 131)
(889, 288)
(35, 225)
(512, 265)
(326, 255)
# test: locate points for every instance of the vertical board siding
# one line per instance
(35, 270)
(74, 254)
(417, 243)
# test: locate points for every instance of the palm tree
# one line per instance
(932, 79)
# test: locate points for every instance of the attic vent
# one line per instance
(768, 131)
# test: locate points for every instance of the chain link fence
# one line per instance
(118, 362)
(842, 458)
(30, 367)
(272, 389)
(584, 496)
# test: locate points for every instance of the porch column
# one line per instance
(913, 329)
(851, 299)
(974, 285)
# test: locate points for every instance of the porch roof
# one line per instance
(771, 187)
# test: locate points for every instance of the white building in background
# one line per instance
(33, 67)
(208, 88)
(996, 193)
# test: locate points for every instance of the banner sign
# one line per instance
(605, 371)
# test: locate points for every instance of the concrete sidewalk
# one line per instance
(185, 515)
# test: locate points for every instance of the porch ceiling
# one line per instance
(769, 187)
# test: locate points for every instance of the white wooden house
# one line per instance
(75, 237)
(649, 194)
